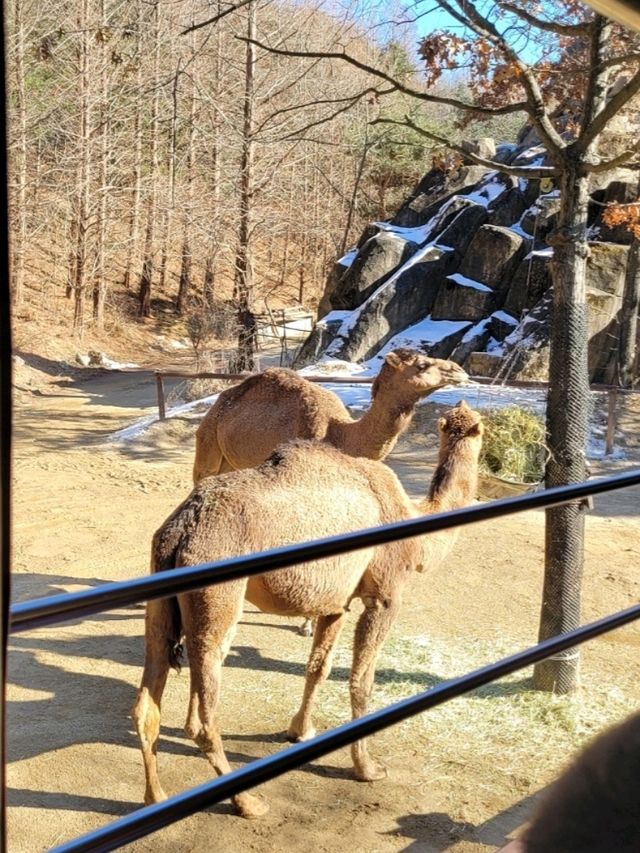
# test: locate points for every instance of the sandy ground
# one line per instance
(460, 778)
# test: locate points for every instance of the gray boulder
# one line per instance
(606, 267)
(433, 191)
(483, 364)
(507, 208)
(541, 218)
(501, 325)
(460, 298)
(324, 332)
(405, 299)
(459, 232)
(484, 147)
(526, 349)
(373, 265)
(531, 280)
(474, 340)
(493, 256)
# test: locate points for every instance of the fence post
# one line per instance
(160, 388)
(612, 405)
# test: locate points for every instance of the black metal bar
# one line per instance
(5, 430)
(59, 608)
(149, 819)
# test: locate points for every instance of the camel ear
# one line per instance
(442, 424)
(462, 405)
(392, 359)
(476, 429)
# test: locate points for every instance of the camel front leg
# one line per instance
(326, 633)
(371, 631)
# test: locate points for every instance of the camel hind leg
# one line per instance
(371, 631)
(206, 668)
(146, 709)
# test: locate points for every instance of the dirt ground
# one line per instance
(460, 778)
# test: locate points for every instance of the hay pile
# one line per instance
(513, 446)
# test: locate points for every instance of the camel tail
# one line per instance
(164, 619)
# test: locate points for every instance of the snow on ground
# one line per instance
(358, 398)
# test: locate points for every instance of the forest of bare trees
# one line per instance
(152, 164)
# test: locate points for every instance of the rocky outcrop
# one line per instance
(463, 271)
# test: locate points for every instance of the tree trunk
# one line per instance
(171, 164)
(84, 170)
(628, 337)
(100, 284)
(186, 263)
(243, 282)
(567, 420)
(134, 220)
(146, 276)
(20, 158)
(213, 242)
(353, 204)
(568, 396)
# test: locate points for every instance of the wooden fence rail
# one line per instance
(612, 391)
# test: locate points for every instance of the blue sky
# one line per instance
(436, 18)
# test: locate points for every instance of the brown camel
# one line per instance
(247, 422)
(270, 506)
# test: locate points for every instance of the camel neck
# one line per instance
(455, 480)
(374, 434)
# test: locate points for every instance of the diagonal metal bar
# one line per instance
(147, 820)
(60, 608)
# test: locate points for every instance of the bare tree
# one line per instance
(591, 48)
(243, 283)
(146, 276)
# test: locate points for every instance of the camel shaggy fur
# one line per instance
(247, 422)
(306, 490)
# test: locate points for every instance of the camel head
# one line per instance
(406, 371)
(459, 423)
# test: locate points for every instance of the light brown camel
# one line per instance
(270, 506)
(247, 422)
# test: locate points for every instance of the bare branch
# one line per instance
(615, 104)
(615, 61)
(216, 18)
(581, 29)
(349, 100)
(620, 160)
(536, 172)
(469, 17)
(401, 87)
